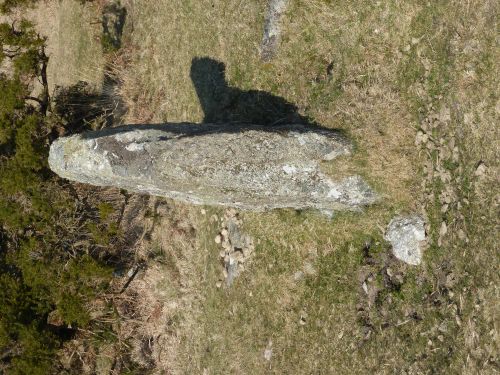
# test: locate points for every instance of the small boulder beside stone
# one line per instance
(407, 237)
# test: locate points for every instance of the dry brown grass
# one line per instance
(73, 41)
(370, 95)
(395, 67)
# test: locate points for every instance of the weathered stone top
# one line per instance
(245, 166)
(407, 236)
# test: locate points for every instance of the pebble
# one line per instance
(480, 170)
(268, 352)
(299, 275)
(365, 287)
(443, 230)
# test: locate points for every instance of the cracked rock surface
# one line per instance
(248, 167)
(407, 236)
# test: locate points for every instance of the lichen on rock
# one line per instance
(250, 167)
(407, 236)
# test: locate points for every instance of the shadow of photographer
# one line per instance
(223, 103)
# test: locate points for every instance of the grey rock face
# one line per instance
(272, 28)
(247, 167)
(406, 234)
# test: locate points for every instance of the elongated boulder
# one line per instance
(244, 166)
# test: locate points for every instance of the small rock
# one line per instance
(365, 287)
(232, 271)
(447, 198)
(299, 275)
(268, 352)
(248, 250)
(218, 239)
(406, 235)
(226, 245)
(443, 230)
(480, 170)
(418, 138)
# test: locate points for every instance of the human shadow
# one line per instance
(223, 103)
(228, 110)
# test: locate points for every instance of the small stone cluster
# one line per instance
(237, 247)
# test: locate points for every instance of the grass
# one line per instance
(379, 71)
(73, 42)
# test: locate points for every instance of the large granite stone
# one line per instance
(244, 166)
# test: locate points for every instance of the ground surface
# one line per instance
(415, 85)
